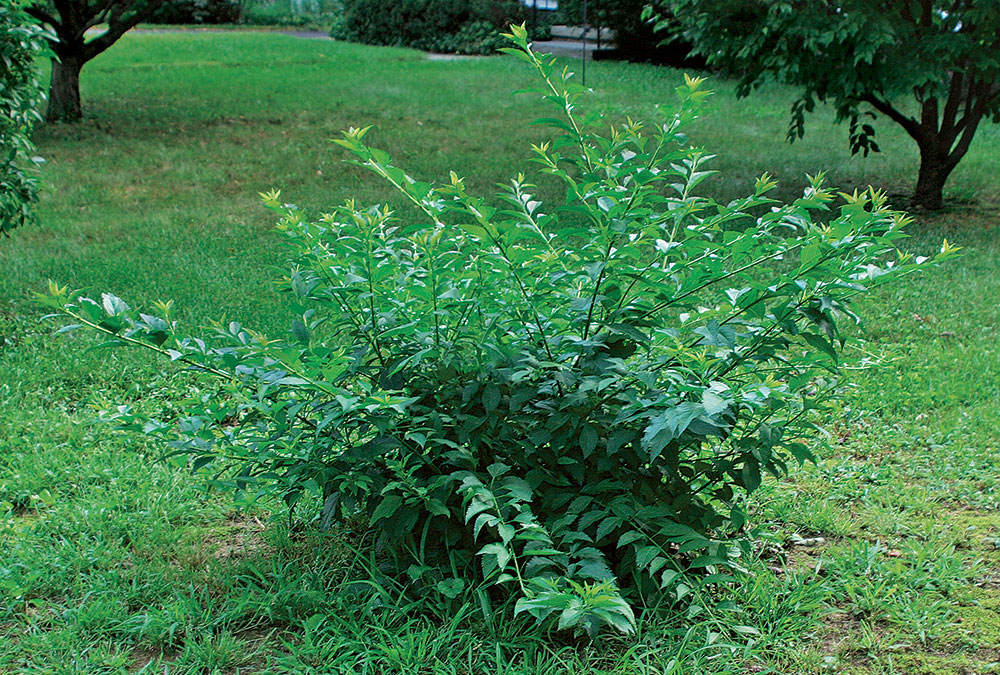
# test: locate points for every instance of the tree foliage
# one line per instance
(931, 66)
(561, 403)
(21, 41)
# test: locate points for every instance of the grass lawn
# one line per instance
(111, 562)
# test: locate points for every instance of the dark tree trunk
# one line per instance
(70, 20)
(943, 138)
(64, 91)
(934, 172)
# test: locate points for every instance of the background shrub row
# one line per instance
(252, 12)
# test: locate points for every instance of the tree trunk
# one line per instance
(934, 171)
(64, 91)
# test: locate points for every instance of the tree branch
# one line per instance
(907, 13)
(958, 152)
(969, 99)
(948, 121)
(42, 15)
(67, 13)
(117, 26)
(971, 121)
(926, 16)
(911, 125)
(992, 95)
(929, 116)
(99, 17)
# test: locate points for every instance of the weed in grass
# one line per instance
(785, 611)
(213, 653)
(930, 619)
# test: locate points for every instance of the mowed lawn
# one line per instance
(113, 562)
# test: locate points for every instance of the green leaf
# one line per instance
(476, 506)
(451, 588)
(821, 344)
(495, 558)
(645, 555)
(630, 537)
(607, 526)
(605, 203)
(506, 532)
(497, 469)
(113, 305)
(750, 474)
(588, 440)
(713, 403)
(491, 397)
(386, 507)
(300, 332)
(667, 426)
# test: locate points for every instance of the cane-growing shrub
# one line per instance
(559, 403)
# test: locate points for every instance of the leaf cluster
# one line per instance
(853, 53)
(21, 41)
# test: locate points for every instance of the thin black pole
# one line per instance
(583, 57)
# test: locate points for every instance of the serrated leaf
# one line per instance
(476, 506)
(495, 557)
(645, 555)
(629, 537)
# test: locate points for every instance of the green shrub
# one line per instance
(338, 27)
(478, 37)
(292, 12)
(21, 42)
(462, 26)
(198, 11)
(560, 403)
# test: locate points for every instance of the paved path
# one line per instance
(571, 49)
